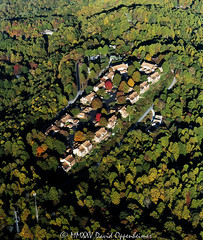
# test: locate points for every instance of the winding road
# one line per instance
(145, 114)
(172, 84)
(63, 111)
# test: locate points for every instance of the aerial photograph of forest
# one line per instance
(101, 119)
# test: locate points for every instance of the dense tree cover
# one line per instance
(152, 182)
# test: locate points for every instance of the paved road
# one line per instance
(77, 75)
(145, 114)
(153, 113)
(172, 84)
(63, 111)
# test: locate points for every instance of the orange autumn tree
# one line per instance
(41, 149)
(79, 136)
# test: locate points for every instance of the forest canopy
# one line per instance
(149, 182)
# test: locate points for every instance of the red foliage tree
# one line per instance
(108, 85)
(188, 200)
(33, 65)
(98, 116)
(17, 69)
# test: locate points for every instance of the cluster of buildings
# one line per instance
(157, 120)
(149, 69)
(153, 77)
(82, 149)
(67, 121)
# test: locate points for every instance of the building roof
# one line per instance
(87, 144)
(101, 84)
(90, 96)
(81, 115)
(158, 117)
(112, 111)
(148, 65)
(122, 108)
(110, 75)
(144, 84)
(70, 158)
(65, 118)
(54, 129)
(123, 71)
(65, 165)
(103, 130)
(75, 121)
(68, 150)
(120, 66)
(47, 31)
(155, 75)
(82, 149)
(100, 132)
(112, 119)
(123, 112)
(70, 125)
(133, 95)
(87, 110)
(63, 132)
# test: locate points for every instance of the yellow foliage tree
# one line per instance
(155, 195)
(115, 198)
(26, 233)
(131, 83)
(148, 57)
(25, 214)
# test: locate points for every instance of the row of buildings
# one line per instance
(67, 121)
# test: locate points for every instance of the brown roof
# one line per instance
(54, 128)
(144, 84)
(68, 150)
(98, 135)
(123, 71)
(87, 110)
(123, 111)
(113, 118)
(76, 145)
(133, 95)
(101, 84)
(66, 118)
(110, 75)
(149, 65)
(90, 96)
(65, 165)
(154, 75)
(116, 67)
(81, 149)
(102, 130)
(87, 144)
(76, 121)
(70, 158)
(123, 108)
